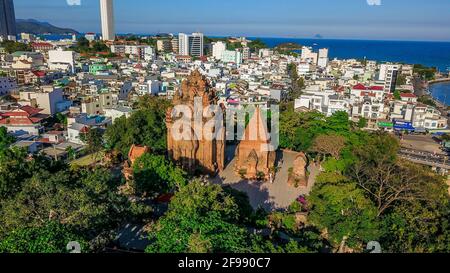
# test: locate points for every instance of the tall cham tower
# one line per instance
(195, 152)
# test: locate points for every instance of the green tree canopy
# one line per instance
(52, 237)
(342, 208)
(146, 126)
(201, 218)
(154, 174)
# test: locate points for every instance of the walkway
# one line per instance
(276, 196)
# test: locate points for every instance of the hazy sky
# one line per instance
(355, 19)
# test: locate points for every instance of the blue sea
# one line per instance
(433, 54)
(441, 92)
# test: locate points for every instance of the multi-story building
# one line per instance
(427, 117)
(107, 17)
(90, 36)
(42, 47)
(27, 37)
(232, 56)
(151, 87)
(217, 49)
(175, 45)
(308, 55)
(245, 53)
(95, 105)
(191, 45)
(27, 60)
(61, 60)
(24, 119)
(7, 20)
(196, 45)
(164, 45)
(388, 74)
(183, 44)
(323, 58)
(48, 98)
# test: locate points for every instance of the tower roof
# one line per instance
(256, 130)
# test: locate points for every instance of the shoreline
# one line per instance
(439, 103)
(439, 81)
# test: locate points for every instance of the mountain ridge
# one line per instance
(34, 26)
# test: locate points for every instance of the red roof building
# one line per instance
(41, 46)
(26, 119)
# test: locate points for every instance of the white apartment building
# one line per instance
(323, 58)
(191, 45)
(183, 44)
(230, 56)
(217, 49)
(61, 60)
(265, 53)
(49, 98)
(308, 55)
(304, 68)
(427, 117)
(151, 87)
(118, 112)
(388, 74)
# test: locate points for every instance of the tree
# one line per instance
(257, 44)
(12, 46)
(201, 218)
(85, 201)
(329, 145)
(71, 153)
(94, 140)
(418, 227)
(298, 83)
(388, 180)
(362, 123)
(13, 170)
(5, 139)
(16, 167)
(397, 95)
(146, 127)
(154, 174)
(341, 208)
(52, 237)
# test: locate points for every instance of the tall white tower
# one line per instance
(107, 15)
(183, 44)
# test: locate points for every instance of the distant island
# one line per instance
(289, 46)
(36, 27)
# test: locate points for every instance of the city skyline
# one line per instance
(354, 19)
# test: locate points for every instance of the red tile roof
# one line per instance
(31, 110)
(359, 87)
(407, 95)
(39, 74)
(24, 111)
(376, 88)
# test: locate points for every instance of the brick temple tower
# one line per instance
(254, 160)
(197, 154)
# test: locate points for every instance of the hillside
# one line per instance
(36, 27)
